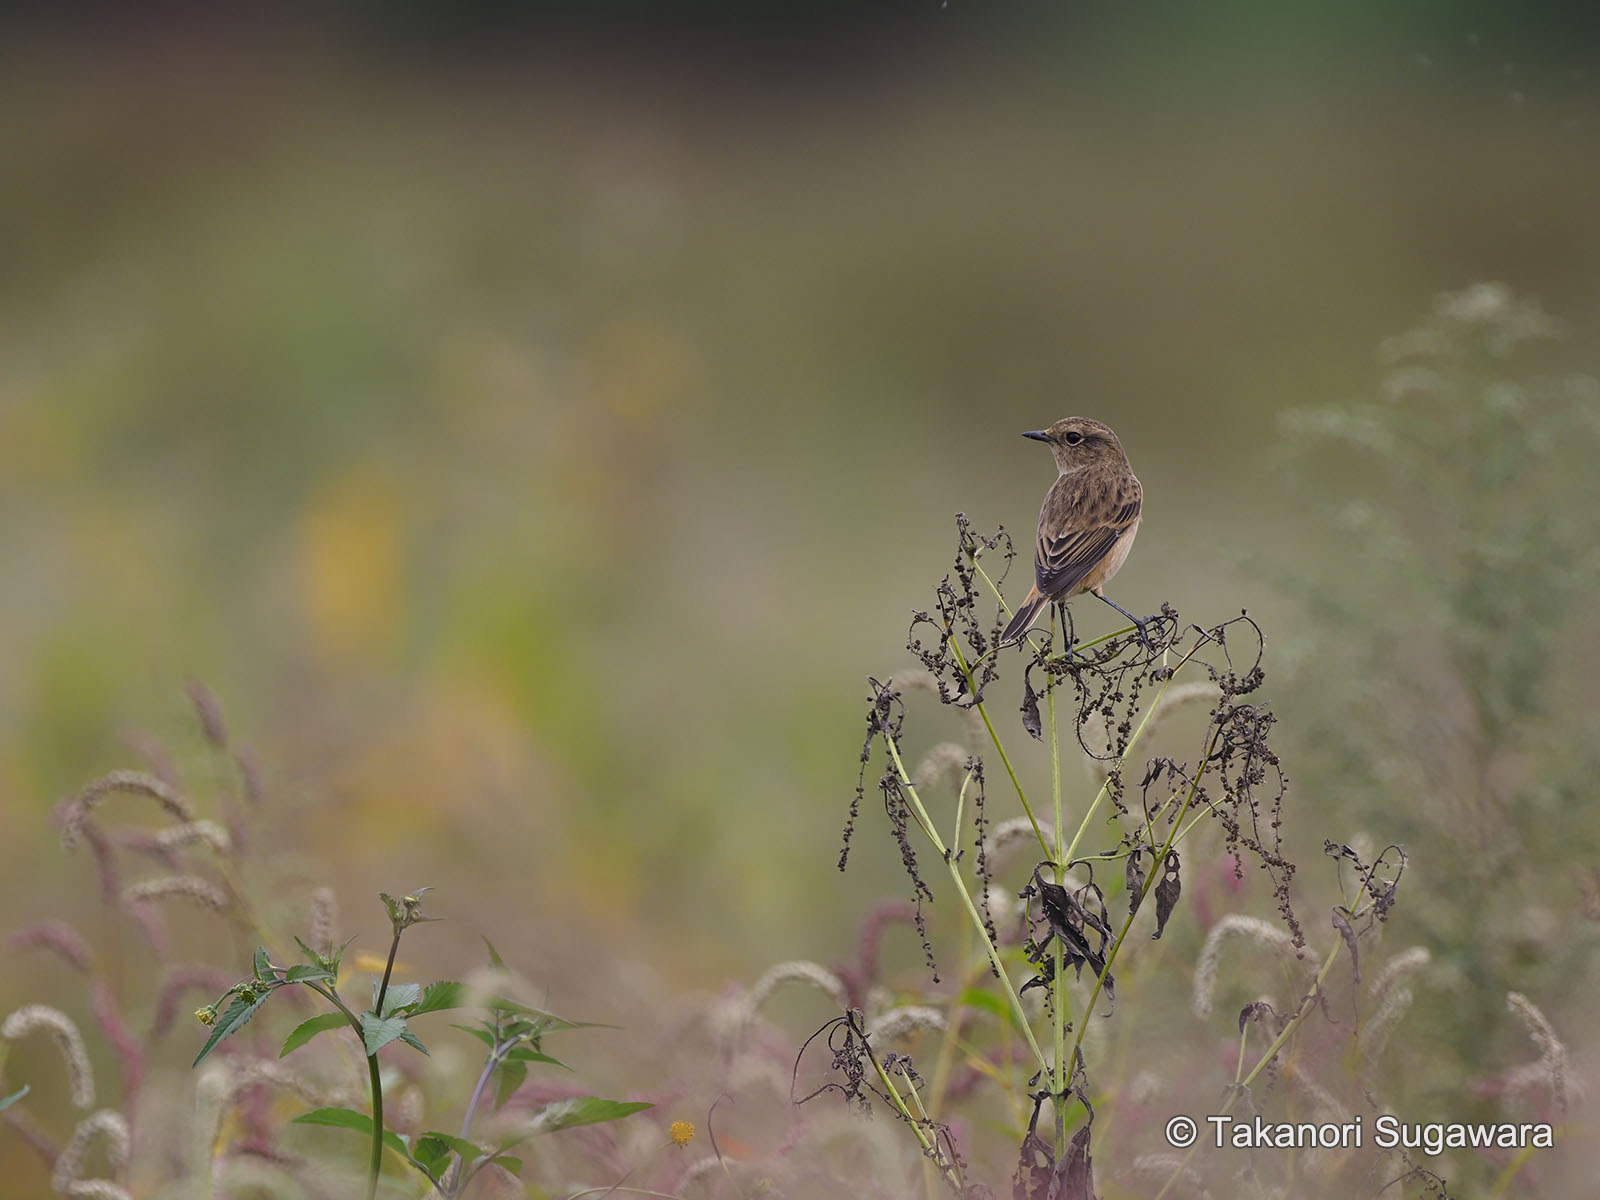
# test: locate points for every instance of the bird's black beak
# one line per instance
(1037, 435)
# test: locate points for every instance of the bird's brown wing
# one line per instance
(1081, 521)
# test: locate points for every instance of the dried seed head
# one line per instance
(207, 832)
(68, 1040)
(106, 1125)
(1234, 925)
(1154, 1170)
(798, 971)
(1006, 838)
(408, 1110)
(1398, 966)
(906, 1020)
(702, 1168)
(57, 937)
(324, 930)
(1552, 1052)
(1147, 1087)
(1375, 1034)
(96, 1189)
(134, 783)
(945, 761)
(209, 713)
(190, 887)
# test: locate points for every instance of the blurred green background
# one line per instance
(535, 424)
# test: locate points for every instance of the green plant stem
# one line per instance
(1144, 892)
(496, 1056)
(929, 1148)
(1000, 749)
(1058, 980)
(375, 1160)
(1278, 1043)
(1133, 741)
(950, 863)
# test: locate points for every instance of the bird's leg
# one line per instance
(1067, 632)
(1138, 622)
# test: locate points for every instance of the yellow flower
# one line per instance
(682, 1132)
(206, 1015)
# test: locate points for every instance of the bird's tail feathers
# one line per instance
(1025, 616)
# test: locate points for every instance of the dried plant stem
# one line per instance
(923, 820)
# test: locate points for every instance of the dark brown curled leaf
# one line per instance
(1256, 1010)
(1030, 706)
(1135, 877)
(1167, 892)
(1341, 922)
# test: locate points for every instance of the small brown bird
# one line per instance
(1088, 522)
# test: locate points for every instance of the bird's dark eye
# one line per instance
(1074, 438)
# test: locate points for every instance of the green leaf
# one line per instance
(467, 1150)
(430, 1155)
(410, 1039)
(494, 955)
(509, 1161)
(377, 1033)
(303, 971)
(399, 996)
(589, 1110)
(438, 996)
(263, 965)
(982, 1001)
(306, 1030)
(525, 1054)
(508, 1077)
(311, 955)
(8, 1101)
(348, 1118)
(483, 1035)
(231, 1021)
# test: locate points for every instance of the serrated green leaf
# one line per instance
(348, 1118)
(438, 996)
(494, 955)
(303, 971)
(410, 1039)
(337, 956)
(263, 965)
(230, 1022)
(306, 1030)
(311, 955)
(482, 1035)
(8, 1101)
(399, 996)
(508, 1077)
(377, 1033)
(589, 1110)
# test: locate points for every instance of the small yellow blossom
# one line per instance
(682, 1132)
(206, 1015)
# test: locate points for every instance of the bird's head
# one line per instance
(1079, 442)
